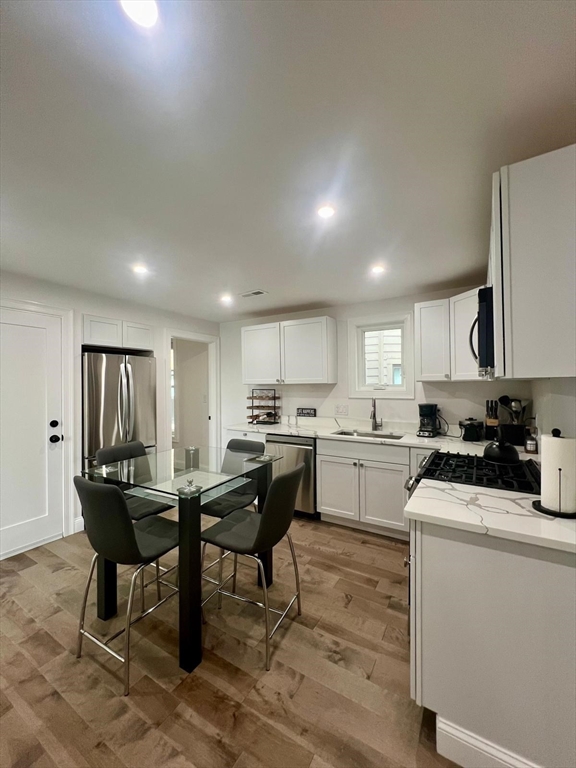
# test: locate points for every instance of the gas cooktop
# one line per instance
(475, 470)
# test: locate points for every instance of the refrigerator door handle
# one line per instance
(131, 409)
(122, 401)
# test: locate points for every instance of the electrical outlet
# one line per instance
(340, 410)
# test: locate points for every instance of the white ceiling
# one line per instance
(204, 146)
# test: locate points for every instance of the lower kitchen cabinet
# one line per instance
(337, 487)
(382, 494)
(368, 491)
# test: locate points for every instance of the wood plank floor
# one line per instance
(337, 693)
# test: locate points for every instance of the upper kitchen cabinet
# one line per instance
(137, 335)
(464, 336)
(535, 263)
(261, 354)
(432, 340)
(108, 332)
(102, 331)
(290, 352)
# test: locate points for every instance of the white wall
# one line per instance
(191, 385)
(23, 288)
(555, 405)
(458, 400)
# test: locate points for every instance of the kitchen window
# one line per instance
(381, 357)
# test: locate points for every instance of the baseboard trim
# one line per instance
(78, 524)
(471, 751)
(28, 547)
(360, 526)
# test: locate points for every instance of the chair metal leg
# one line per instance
(220, 577)
(158, 589)
(235, 571)
(202, 571)
(137, 572)
(266, 611)
(142, 598)
(296, 574)
(83, 609)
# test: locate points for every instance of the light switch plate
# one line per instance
(340, 410)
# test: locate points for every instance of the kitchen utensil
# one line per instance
(505, 403)
(501, 452)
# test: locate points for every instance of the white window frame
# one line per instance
(356, 327)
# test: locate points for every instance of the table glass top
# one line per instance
(156, 475)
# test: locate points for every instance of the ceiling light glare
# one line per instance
(140, 269)
(226, 299)
(142, 12)
(326, 212)
(378, 269)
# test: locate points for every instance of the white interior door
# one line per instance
(31, 474)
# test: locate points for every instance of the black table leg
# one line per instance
(190, 578)
(263, 480)
(106, 581)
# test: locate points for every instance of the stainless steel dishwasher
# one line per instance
(295, 450)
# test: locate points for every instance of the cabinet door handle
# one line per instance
(354, 463)
(361, 464)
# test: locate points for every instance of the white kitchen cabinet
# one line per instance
(102, 331)
(463, 345)
(382, 494)
(538, 263)
(291, 352)
(432, 340)
(485, 639)
(233, 434)
(337, 487)
(366, 485)
(137, 335)
(308, 351)
(261, 354)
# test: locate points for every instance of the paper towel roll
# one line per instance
(558, 453)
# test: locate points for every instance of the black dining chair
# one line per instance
(237, 450)
(115, 537)
(138, 508)
(248, 533)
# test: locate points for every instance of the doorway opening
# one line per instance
(192, 391)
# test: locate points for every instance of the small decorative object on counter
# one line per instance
(558, 496)
(265, 407)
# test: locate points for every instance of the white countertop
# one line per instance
(326, 432)
(503, 514)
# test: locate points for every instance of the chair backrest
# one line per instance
(121, 452)
(107, 521)
(278, 509)
(236, 451)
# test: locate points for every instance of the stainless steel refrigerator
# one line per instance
(119, 401)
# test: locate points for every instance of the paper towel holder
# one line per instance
(537, 505)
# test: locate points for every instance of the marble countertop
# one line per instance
(325, 430)
(488, 511)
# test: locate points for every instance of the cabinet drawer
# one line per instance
(233, 434)
(393, 454)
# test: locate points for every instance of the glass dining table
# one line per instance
(187, 478)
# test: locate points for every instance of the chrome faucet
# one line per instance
(376, 423)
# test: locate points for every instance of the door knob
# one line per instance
(54, 439)
(53, 423)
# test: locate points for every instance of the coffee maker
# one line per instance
(429, 421)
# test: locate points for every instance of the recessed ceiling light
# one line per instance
(378, 269)
(140, 269)
(226, 298)
(142, 12)
(326, 212)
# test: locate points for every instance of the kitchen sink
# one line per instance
(374, 435)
